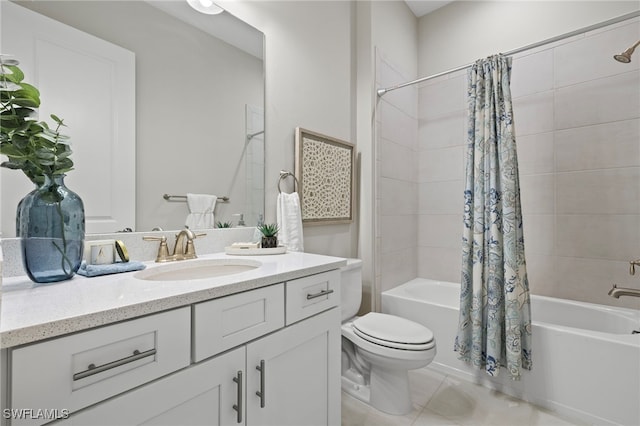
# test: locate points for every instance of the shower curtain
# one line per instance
(494, 328)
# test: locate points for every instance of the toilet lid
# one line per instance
(393, 331)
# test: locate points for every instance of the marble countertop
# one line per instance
(35, 312)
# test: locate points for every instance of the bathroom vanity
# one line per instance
(256, 347)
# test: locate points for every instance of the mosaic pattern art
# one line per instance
(327, 177)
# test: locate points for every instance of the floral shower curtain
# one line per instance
(494, 328)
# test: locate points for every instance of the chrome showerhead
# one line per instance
(625, 57)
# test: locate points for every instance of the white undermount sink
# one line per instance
(197, 269)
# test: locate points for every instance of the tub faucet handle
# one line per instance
(632, 266)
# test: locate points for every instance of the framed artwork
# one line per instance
(324, 167)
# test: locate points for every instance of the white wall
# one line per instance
(365, 104)
(577, 115)
(308, 84)
(386, 43)
(396, 146)
(1, 257)
(395, 32)
(1, 206)
(464, 31)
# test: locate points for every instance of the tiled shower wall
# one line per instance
(577, 120)
(396, 180)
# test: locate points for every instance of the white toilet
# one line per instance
(378, 350)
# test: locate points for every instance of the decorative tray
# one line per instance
(255, 251)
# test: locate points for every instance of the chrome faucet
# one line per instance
(183, 249)
(622, 291)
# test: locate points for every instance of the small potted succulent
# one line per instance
(269, 235)
(220, 224)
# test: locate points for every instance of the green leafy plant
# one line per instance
(269, 229)
(30, 145)
(223, 224)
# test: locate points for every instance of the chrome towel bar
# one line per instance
(223, 199)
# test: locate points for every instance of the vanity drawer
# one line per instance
(227, 322)
(311, 295)
(72, 372)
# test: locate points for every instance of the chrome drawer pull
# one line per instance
(260, 393)
(92, 369)
(238, 406)
(319, 294)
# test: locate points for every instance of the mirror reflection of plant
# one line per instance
(31, 145)
(223, 224)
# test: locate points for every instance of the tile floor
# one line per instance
(439, 399)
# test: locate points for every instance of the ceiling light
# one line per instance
(205, 6)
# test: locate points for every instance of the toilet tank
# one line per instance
(351, 288)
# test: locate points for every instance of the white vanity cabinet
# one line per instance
(293, 375)
(203, 394)
(299, 374)
(298, 384)
(75, 371)
(269, 356)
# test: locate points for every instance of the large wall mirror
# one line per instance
(198, 112)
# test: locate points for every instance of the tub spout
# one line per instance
(622, 291)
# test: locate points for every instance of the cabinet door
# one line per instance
(300, 377)
(204, 394)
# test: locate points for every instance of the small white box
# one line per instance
(99, 252)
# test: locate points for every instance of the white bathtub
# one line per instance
(586, 361)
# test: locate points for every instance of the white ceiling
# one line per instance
(422, 7)
(241, 35)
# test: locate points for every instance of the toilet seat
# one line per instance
(393, 332)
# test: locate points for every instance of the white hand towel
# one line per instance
(200, 211)
(289, 216)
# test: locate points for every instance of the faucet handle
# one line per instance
(190, 250)
(632, 266)
(163, 250)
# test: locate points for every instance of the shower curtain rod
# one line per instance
(620, 18)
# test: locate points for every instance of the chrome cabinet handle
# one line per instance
(319, 294)
(238, 406)
(260, 393)
(93, 369)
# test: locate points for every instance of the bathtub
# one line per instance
(586, 361)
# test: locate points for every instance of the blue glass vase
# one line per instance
(50, 224)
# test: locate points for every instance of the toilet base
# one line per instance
(356, 390)
(379, 375)
(390, 391)
(387, 391)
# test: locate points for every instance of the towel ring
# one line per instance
(284, 175)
